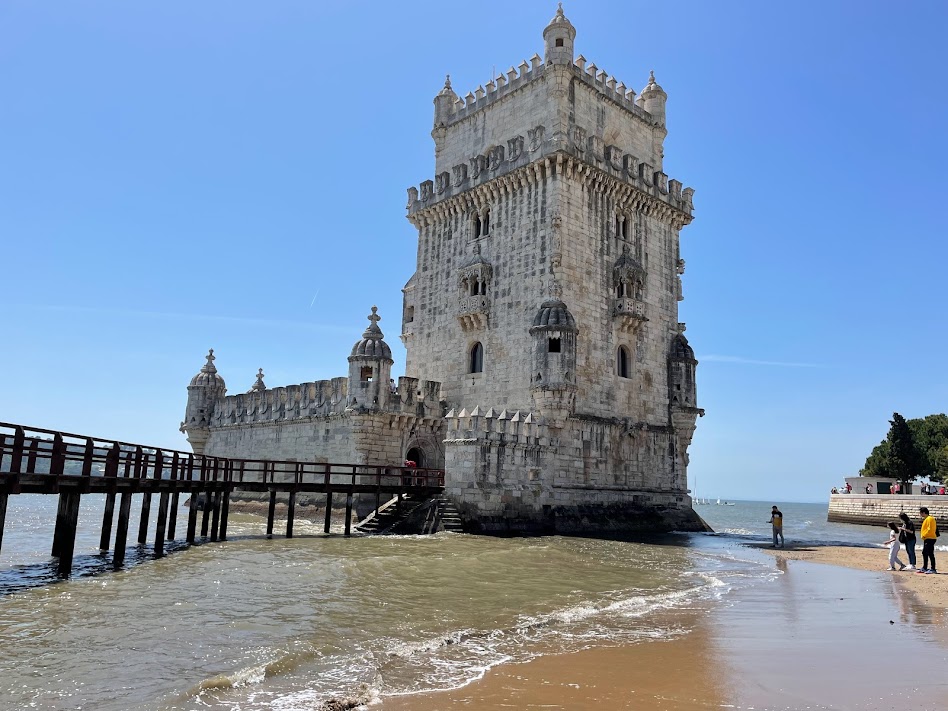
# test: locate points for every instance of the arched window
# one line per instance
(477, 358)
(622, 362)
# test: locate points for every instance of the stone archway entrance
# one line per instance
(417, 455)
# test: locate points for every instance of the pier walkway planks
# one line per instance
(39, 461)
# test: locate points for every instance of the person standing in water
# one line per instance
(776, 521)
(907, 536)
(893, 544)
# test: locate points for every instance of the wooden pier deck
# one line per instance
(39, 461)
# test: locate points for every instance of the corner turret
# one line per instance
(553, 379)
(558, 39)
(370, 368)
(444, 105)
(204, 392)
(653, 98)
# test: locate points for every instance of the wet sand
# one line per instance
(931, 589)
(814, 637)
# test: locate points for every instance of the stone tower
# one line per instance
(204, 392)
(547, 288)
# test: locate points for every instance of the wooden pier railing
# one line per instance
(38, 461)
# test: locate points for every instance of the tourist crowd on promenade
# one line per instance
(895, 488)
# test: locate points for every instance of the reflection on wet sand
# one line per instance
(816, 637)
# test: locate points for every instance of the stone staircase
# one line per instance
(415, 516)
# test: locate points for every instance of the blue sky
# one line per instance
(178, 175)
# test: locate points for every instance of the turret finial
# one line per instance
(559, 9)
(447, 81)
(259, 386)
(209, 366)
(651, 76)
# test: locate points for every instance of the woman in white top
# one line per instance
(894, 546)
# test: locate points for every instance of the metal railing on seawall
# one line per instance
(34, 460)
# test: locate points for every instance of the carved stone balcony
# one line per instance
(629, 314)
(473, 312)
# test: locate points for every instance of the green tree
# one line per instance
(931, 436)
(903, 461)
(877, 464)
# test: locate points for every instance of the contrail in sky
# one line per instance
(752, 361)
(314, 299)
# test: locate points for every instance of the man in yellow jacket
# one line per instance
(929, 534)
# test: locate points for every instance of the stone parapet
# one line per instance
(879, 509)
(322, 398)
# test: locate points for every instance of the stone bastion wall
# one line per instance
(879, 509)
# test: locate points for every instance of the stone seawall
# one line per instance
(879, 509)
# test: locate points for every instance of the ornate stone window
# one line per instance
(623, 363)
(621, 226)
(476, 358)
(474, 281)
(481, 224)
(628, 280)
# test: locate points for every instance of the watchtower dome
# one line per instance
(370, 368)
(558, 39)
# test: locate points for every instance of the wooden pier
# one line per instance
(39, 461)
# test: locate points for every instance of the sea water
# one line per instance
(288, 624)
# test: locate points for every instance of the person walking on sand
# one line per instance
(776, 521)
(907, 536)
(929, 534)
(893, 544)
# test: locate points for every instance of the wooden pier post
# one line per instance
(160, 523)
(112, 461)
(60, 524)
(121, 530)
(143, 524)
(107, 517)
(348, 513)
(192, 517)
(225, 512)
(215, 514)
(271, 512)
(206, 513)
(67, 539)
(3, 513)
(328, 522)
(290, 511)
(172, 515)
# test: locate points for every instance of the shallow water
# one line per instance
(286, 624)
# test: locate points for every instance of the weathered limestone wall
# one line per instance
(590, 250)
(506, 473)
(879, 509)
(517, 248)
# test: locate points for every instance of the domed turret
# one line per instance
(553, 315)
(370, 368)
(558, 39)
(206, 388)
(652, 99)
(553, 378)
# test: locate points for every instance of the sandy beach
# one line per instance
(816, 636)
(932, 590)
